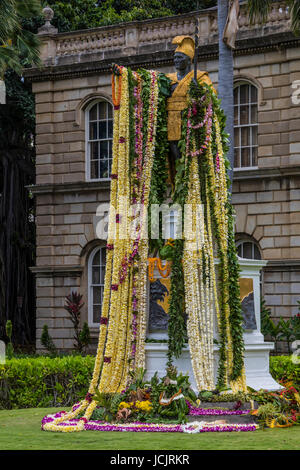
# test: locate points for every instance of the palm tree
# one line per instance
(258, 11)
(16, 43)
(225, 88)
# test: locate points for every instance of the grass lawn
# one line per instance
(21, 430)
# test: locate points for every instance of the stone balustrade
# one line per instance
(139, 34)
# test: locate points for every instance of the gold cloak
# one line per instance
(178, 101)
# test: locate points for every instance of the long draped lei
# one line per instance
(139, 139)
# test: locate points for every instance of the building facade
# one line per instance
(74, 119)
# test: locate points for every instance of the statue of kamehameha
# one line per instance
(180, 82)
(181, 79)
(184, 56)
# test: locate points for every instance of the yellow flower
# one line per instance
(144, 405)
(123, 404)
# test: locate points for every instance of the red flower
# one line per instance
(89, 397)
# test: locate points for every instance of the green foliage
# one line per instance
(159, 169)
(83, 14)
(177, 334)
(259, 9)
(70, 15)
(47, 341)
(284, 330)
(85, 336)
(283, 369)
(9, 347)
(44, 381)
(107, 405)
(17, 43)
(19, 93)
(73, 306)
(8, 329)
(62, 381)
(265, 314)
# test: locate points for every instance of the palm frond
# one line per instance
(258, 10)
(9, 58)
(295, 15)
(8, 21)
(28, 8)
(24, 47)
(28, 44)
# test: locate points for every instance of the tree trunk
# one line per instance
(17, 292)
(225, 86)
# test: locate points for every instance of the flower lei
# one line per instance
(207, 184)
(124, 308)
(139, 104)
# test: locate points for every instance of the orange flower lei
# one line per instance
(164, 271)
(116, 100)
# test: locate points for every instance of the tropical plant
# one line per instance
(85, 336)
(9, 346)
(295, 323)
(47, 341)
(16, 42)
(73, 306)
(265, 314)
(105, 402)
(285, 330)
(258, 11)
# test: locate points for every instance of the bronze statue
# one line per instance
(181, 79)
(177, 102)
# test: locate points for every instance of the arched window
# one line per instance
(248, 249)
(96, 273)
(245, 125)
(99, 133)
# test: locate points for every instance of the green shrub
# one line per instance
(9, 346)
(283, 368)
(44, 381)
(63, 381)
(47, 341)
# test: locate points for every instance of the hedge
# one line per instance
(44, 381)
(62, 381)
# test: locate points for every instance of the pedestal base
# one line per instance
(256, 364)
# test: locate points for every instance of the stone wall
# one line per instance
(266, 198)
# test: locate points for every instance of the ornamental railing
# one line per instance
(126, 37)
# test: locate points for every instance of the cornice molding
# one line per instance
(287, 265)
(80, 186)
(154, 58)
(57, 271)
(259, 173)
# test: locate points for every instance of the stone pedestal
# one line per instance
(256, 349)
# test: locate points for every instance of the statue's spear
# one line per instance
(196, 44)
